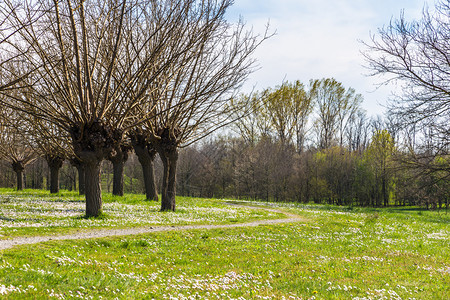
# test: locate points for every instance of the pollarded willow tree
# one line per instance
(146, 153)
(174, 87)
(50, 143)
(196, 98)
(94, 62)
(14, 144)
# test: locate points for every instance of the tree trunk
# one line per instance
(76, 162)
(19, 175)
(54, 180)
(118, 166)
(118, 156)
(146, 158)
(81, 179)
(18, 168)
(148, 170)
(92, 142)
(169, 159)
(55, 163)
(93, 189)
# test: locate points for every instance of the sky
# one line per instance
(320, 39)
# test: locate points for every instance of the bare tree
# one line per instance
(95, 63)
(196, 101)
(334, 106)
(50, 143)
(14, 145)
(416, 56)
(146, 154)
(289, 107)
(357, 132)
(281, 112)
(250, 123)
(8, 56)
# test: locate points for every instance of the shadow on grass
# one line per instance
(101, 216)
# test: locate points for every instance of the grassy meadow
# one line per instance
(331, 253)
(36, 212)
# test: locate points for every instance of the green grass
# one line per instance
(337, 254)
(36, 212)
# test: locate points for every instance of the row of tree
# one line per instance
(89, 80)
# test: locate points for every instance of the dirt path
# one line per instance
(89, 234)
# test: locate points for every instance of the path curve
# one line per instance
(99, 233)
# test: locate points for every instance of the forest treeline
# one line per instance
(331, 152)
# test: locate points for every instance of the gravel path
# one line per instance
(6, 244)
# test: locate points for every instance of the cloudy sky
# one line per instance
(320, 38)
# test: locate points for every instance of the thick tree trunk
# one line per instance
(76, 162)
(18, 168)
(81, 180)
(146, 158)
(54, 180)
(92, 142)
(148, 170)
(19, 176)
(169, 159)
(54, 164)
(118, 166)
(118, 156)
(93, 189)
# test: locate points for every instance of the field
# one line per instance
(328, 253)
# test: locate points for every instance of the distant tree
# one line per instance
(14, 144)
(380, 153)
(288, 107)
(357, 132)
(335, 106)
(339, 172)
(302, 112)
(250, 123)
(50, 143)
(416, 56)
(281, 112)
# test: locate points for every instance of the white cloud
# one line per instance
(319, 38)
